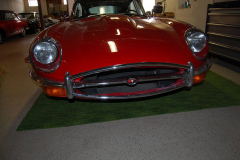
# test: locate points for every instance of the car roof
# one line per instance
(5, 11)
(27, 12)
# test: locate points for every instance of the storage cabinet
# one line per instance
(223, 29)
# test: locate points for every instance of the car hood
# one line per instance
(118, 39)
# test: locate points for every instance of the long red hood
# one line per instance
(118, 39)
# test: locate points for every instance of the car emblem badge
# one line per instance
(132, 81)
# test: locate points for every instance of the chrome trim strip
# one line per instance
(190, 75)
(124, 81)
(126, 66)
(224, 25)
(180, 76)
(34, 76)
(95, 84)
(224, 35)
(68, 85)
(129, 96)
(225, 46)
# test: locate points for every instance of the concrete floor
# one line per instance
(205, 134)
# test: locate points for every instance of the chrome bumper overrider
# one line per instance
(69, 84)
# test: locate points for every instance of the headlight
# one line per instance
(45, 52)
(196, 41)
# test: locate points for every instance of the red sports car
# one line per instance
(11, 24)
(112, 50)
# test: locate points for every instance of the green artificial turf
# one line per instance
(47, 112)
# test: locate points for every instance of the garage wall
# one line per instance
(196, 15)
(64, 7)
(70, 5)
(35, 9)
(171, 5)
(14, 5)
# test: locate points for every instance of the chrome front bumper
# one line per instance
(69, 84)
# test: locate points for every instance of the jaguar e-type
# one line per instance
(111, 49)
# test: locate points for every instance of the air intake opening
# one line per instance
(125, 74)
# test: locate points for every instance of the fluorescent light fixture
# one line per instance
(112, 46)
(114, 17)
(102, 10)
(65, 2)
(140, 26)
(32, 3)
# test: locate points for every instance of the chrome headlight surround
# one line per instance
(51, 65)
(197, 43)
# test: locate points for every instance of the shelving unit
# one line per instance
(223, 29)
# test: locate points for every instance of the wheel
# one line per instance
(23, 33)
(1, 37)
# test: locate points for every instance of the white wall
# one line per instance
(196, 15)
(148, 5)
(35, 9)
(14, 5)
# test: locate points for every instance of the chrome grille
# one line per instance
(113, 82)
(140, 74)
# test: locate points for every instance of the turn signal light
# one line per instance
(26, 60)
(199, 78)
(54, 91)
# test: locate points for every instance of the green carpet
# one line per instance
(47, 112)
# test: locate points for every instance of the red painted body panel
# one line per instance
(12, 27)
(85, 44)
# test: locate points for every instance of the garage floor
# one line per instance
(205, 134)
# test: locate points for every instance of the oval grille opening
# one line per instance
(125, 74)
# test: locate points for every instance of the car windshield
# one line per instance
(28, 15)
(84, 8)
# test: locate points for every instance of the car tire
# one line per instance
(1, 37)
(23, 33)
